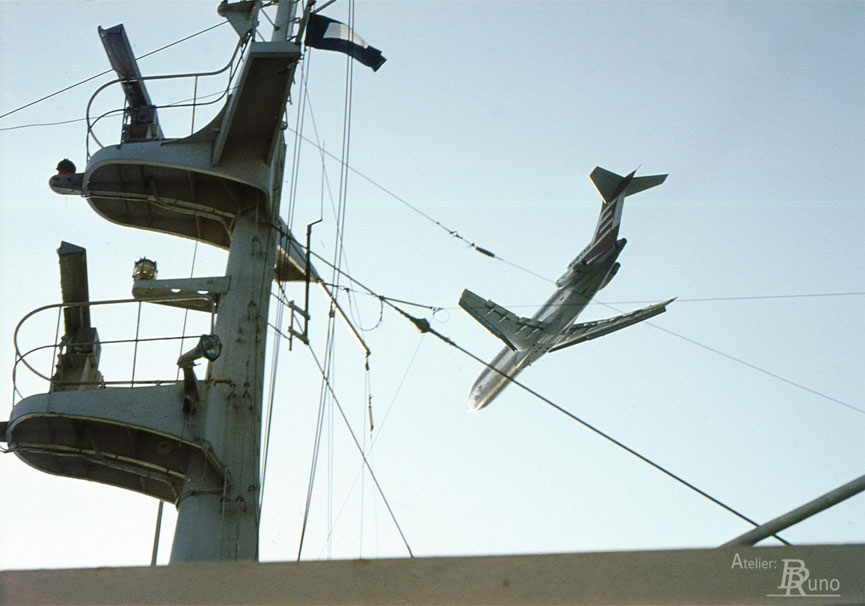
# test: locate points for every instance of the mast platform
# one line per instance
(135, 439)
(195, 186)
(194, 442)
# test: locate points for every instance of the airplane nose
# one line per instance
(473, 403)
(475, 400)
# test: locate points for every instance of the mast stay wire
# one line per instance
(339, 216)
(367, 392)
(178, 103)
(769, 373)
(316, 445)
(424, 326)
(285, 241)
(452, 232)
(757, 368)
(292, 187)
(679, 300)
(327, 185)
(300, 120)
(338, 257)
(374, 439)
(745, 363)
(108, 71)
(361, 451)
(488, 253)
(623, 302)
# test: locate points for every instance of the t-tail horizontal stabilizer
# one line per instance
(611, 186)
(516, 332)
(579, 333)
(614, 188)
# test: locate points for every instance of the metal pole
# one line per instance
(306, 291)
(284, 16)
(156, 534)
(321, 7)
(800, 513)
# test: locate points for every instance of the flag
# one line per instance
(325, 33)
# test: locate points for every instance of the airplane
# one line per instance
(552, 327)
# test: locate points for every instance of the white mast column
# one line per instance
(221, 522)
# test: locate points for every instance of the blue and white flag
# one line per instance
(328, 34)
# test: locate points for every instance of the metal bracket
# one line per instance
(215, 287)
(303, 335)
(243, 15)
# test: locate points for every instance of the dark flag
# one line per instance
(328, 34)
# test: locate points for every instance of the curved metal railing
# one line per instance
(26, 358)
(230, 67)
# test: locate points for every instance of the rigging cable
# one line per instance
(682, 300)
(174, 104)
(274, 362)
(367, 392)
(285, 239)
(389, 301)
(315, 450)
(608, 303)
(746, 364)
(380, 426)
(325, 184)
(452, 232)
(342, 206)
(336, 264)
(486, 252)
(398, 389)
(757, 297)
(362, 454)
(424, 326)
(757, 368)
(300, 120)
(108, 71)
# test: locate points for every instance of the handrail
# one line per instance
(58, 343)
(101, 342)
(240, 45)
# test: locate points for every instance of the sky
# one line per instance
(488, 118)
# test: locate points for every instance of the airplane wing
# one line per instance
(516, 332)
(578, 333)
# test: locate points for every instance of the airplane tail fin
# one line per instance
(614, 188)
(610, 185)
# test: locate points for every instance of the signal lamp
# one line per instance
(209, 347)
(145, 269)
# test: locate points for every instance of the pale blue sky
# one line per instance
(489, 117)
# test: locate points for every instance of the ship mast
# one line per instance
(221, 522)
(196, 442)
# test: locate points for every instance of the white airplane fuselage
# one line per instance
(581, 282)
(553, 328)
